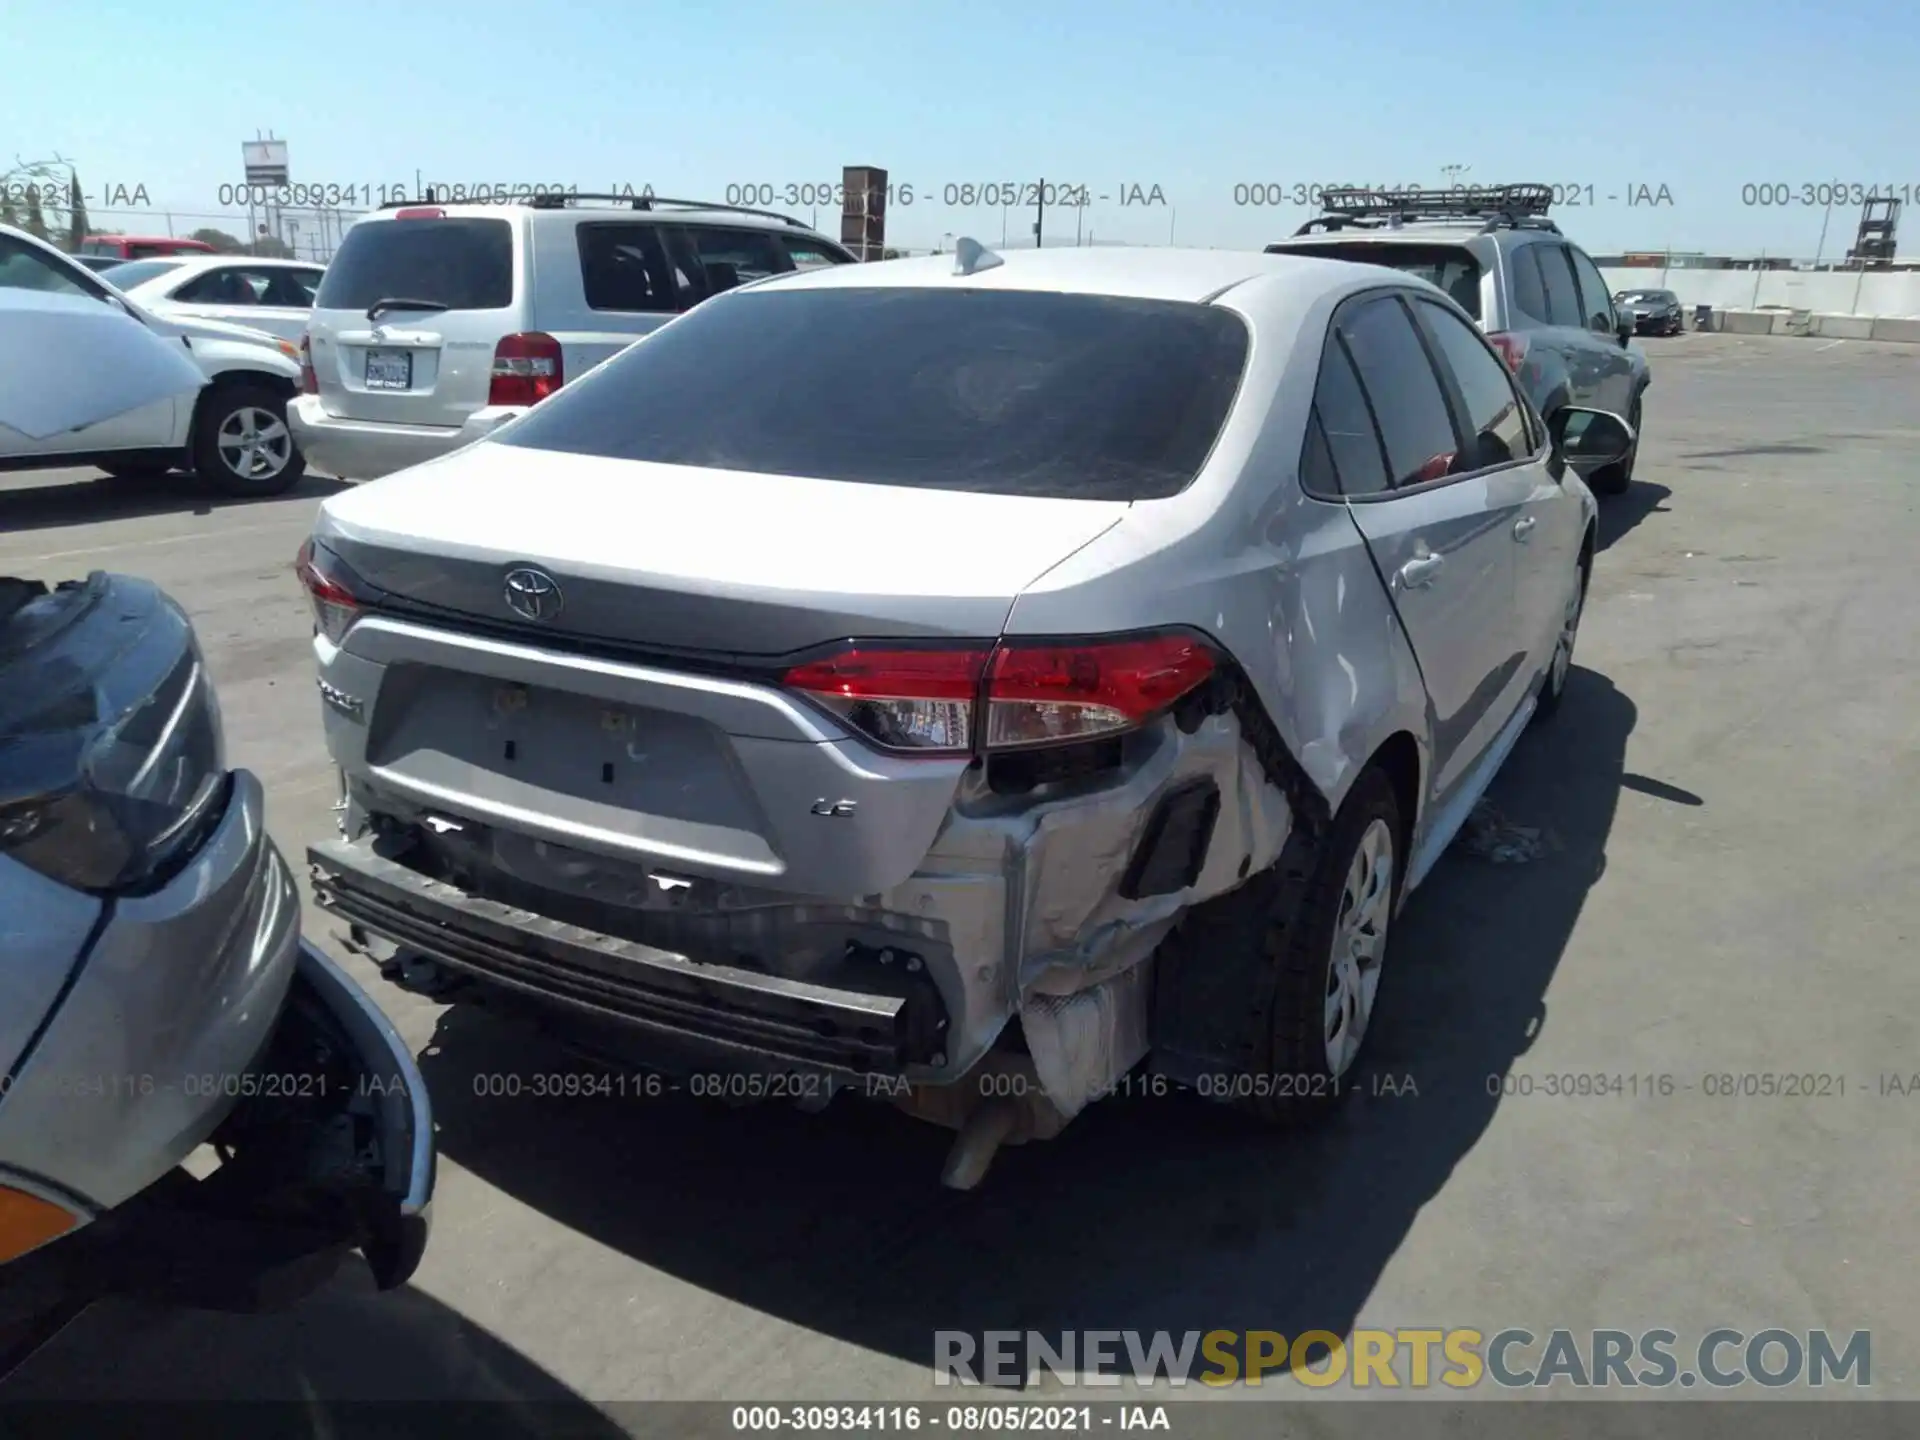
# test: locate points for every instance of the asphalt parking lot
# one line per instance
(1724, 819)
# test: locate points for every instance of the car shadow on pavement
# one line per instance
(1620, 514)
(346, 1361)
(90, 502)
(1147, 1213)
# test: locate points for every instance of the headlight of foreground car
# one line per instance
(112, 762)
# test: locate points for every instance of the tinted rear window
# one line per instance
(462, 264)
(1005, 392)
(1450, 267)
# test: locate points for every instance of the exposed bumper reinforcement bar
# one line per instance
(728, 1012)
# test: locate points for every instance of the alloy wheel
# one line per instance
(254, 443)
(1359, 946)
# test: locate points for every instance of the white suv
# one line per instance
(233, 433)
(436, 324)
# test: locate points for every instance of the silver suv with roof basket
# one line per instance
(949, 679)
(1538, 296)
(437, 323)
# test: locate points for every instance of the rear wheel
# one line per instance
(1319, 919)
(241, 443)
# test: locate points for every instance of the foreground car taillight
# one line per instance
(328, 584)
(27, 1222)
(309, 380)
(1010, 696)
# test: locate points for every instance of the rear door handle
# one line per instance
(1418, 573)
(1524, 527)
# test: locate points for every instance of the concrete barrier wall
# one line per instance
(1894, 295)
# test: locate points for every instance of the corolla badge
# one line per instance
(533, 594)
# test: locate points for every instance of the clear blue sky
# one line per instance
(1193, 97)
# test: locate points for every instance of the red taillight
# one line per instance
(526, 369)
(902, 699)
(420, 212)
(335, 607)
(1512, 348)
(309, 381)
(925, 700)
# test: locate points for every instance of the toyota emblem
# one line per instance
(533, 594)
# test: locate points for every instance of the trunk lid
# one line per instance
(431, 363)
(669, 557)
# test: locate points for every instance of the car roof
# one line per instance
(1136, 272)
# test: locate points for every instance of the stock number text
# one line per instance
(1822, 193)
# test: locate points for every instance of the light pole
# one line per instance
(1172, 215)
(1453, 174)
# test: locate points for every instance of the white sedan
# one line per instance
(262, 294)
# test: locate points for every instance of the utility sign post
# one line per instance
(266, 166)
(266, 162)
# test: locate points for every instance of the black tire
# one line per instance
(231, 411)
(1554, 688)
(1290, 916)
(1615, 479)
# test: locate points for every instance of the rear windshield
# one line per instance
(456, 264)
(1450, 267)
(1003, 392)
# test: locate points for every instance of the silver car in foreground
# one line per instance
(196, 1105)
(957, 678)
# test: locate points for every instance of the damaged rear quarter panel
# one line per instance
(1281, 581)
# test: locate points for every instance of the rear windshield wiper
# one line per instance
(397, 302)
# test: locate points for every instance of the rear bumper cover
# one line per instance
(367, 450)
(734, 1016)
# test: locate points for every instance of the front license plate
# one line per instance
(389, 369)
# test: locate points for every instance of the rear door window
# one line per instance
(1405, 395)
(1343, 426)
(1529, 291)
(463, 263)
(713, 259)
(228, 285)
(624, 267)
(1005, 392)
(1556, 277)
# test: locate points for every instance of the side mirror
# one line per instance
(1588, 439)
(1623, 324)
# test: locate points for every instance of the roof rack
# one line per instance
(657, 202)
(1497, 207)
(558, 201)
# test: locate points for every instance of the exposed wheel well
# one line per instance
(228, 379)
(1399, 757)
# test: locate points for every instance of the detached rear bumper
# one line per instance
(367, 449)
(733, 1017)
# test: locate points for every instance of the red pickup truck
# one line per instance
(141, 247)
